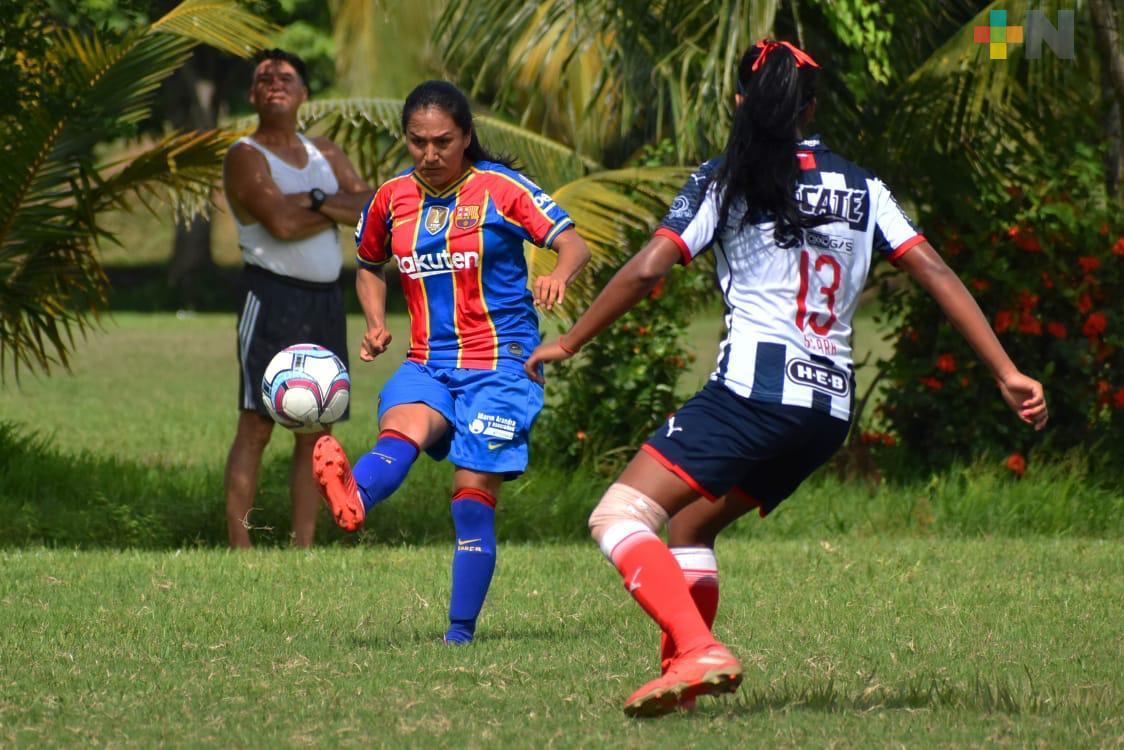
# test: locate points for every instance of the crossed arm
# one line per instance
(255, 197)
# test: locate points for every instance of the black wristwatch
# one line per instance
(317, 196)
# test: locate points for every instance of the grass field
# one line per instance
(847, 643)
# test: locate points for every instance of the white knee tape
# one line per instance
(622, 513)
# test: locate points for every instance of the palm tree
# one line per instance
(84, 91)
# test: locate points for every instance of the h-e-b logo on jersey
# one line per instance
(820, 377)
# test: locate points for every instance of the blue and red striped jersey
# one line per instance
(460, 255)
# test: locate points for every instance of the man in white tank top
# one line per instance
(286, 192)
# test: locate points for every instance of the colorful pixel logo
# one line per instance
(997, 34)
(1036, 31)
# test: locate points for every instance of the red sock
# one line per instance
(700, 570)
(656, 582)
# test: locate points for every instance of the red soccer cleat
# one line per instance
(703, 671)
(336, 483)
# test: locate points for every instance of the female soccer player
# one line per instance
(795, 228)
(455, 223)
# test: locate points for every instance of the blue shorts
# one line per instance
(721, 443)
(490, 413)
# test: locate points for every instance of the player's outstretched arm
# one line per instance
(370, 287)
(1023, 394)
(573, 254)
(632, 283)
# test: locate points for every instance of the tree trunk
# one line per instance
(191, 99)
(1107, 34)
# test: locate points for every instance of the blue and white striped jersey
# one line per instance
(789, 310)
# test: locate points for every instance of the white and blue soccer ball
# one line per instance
(306, 387)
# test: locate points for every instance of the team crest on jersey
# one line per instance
(466, 217)
(436, 218)
(821, 377)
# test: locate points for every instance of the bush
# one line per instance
(604, 402)
(1045, 259)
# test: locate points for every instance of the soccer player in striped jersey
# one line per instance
(794, 228)
(455, 224)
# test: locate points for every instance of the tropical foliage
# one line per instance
(81, 90)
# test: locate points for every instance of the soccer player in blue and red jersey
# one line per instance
(795, 229)
(455, 224)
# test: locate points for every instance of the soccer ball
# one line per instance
(305, 387)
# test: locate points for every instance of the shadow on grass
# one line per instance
(61, 500)
(981, 695)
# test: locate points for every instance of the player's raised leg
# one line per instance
(240, 480)
(474, 559)
(626, 524)
(351, 493)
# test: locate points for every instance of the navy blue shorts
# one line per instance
(721, 443)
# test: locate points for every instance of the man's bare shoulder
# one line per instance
(325, 145)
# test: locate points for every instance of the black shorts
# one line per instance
(720, 443)
(277, 312)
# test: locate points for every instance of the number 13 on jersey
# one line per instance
(819, 322)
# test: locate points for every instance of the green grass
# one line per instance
(847, 643)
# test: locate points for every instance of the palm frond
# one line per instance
(369, 129)
(610, 209)
(222, 24)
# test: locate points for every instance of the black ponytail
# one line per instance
(452, 101)
(777, 84)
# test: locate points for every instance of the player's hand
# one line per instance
(549, 291)
(543, 353)
(375, 342)
(1025, 397)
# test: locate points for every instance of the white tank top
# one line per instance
(314, 258)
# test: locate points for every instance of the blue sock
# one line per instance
(474, 560)
(381, 471)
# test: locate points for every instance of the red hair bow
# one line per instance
(767, 45)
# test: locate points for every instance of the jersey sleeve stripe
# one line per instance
(559, 228)
(369, 264)
(684, 251)
(906, 246)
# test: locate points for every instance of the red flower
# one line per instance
(980, 285)
(1057, 330)
(1024, 239)
(946, 363)
(1095, 325)
(1088, 263)
(1118, 248)
(1104, 229)
(1118, 399)
(1103, 387)
(1030, 324)
(913, 335)
(1002, 321)
(657, 290)
(931, 383)
(580, 435)
(1047, 281)
(642, 331)
(1017, 464)
(1027, 301)
(1084, 303)
(964, 382)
